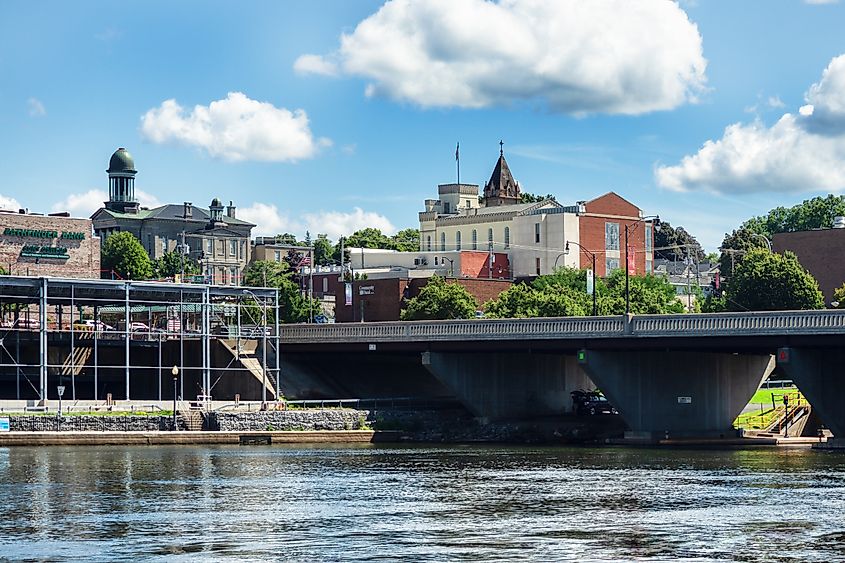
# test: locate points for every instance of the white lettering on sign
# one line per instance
(684, 400)
(367, 290)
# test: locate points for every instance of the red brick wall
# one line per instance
(476, 264)
(820, 252)
(83, 255)
(614, 209)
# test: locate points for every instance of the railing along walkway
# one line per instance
(643, 326)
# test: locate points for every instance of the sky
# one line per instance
(330, 116)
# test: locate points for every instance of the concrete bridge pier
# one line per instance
(820, 376)
(509, 385)
(682, 394)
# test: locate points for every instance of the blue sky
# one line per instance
(264, 104)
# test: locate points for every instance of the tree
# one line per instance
(676, 243)
(322, 250)
(287, 238)
(526, 197)
(441, 300)
(649, 295)
(839, 297)
(406, 240)
(814, 213)
(3, 271)
(734, 247)
(368, 238)
(765, 281)
(294, 307)
(524, 301)
(172, 263)
(123, 254)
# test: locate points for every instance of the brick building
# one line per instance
(601, 226)
(57, 245)
(820, 252)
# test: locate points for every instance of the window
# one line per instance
(507, 237)
(446, 207)
(233, 273)
(233, 248)
(442, 242)
(469, 203)
(490, 237)
(277, 255)
(209, 246)
(649, 236)
(610, 264)
(458, 240)
(435, 260)
(537, 233)
(474, 239)
(164, 244)
(611, 237)
(325, 284)
(242, 255)
(537, 265)
(223, 278)
(428, 243)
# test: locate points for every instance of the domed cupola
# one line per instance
(121, 173)
(215, 212)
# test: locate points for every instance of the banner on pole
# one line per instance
(591, 286)
(348, 293)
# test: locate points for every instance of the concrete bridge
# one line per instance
(686, 375)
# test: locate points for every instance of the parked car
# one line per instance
(98, 325)
(138, 327)
(591, 402)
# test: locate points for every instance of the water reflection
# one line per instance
(447, 504)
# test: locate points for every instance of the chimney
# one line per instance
(839, 222)
(188, 210)
(230, 210)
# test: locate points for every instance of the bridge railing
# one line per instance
(637, 326)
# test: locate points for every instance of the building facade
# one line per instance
(819, 251)
(602, 224)
(56, 245)
(213, 237)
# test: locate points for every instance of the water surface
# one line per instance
(383, 503)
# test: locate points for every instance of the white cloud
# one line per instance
(36, 108)
(775, 102)
(821, 1)
(84, 204)
(611, 56)
(270, 221)
(801, 152)
(9, 203)
(315, 64)
(235, 128)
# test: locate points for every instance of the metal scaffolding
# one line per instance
(119, 339)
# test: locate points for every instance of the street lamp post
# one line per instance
(175, 372)
(765, 238)
(592, 256)
(628, 228)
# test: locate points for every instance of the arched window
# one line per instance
(458, 240)
(442, 242)
(507, 237)
(474, 239)
(428, 243)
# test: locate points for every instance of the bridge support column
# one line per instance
(820, 376)
(501, 386)
(684, 394)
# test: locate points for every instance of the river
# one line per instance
(383, 503)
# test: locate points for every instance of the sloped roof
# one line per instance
(501, 183)
(174, 212)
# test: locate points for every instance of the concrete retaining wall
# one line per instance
(331, 419)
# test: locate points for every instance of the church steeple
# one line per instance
(502, 189)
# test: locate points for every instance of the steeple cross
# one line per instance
(501, 148)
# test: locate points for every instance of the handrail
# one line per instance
(548, 328)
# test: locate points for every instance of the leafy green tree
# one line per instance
(676, 243)
(294, 307)
(734, 247)
(171, 263)
(3, 271)
(288, 238)
(814, 213)
(406, 240)
(441, 300)
(368, 238)
(649, 295)
(123, 254)
(526, 197)
(323, 250)
(839, 297)
(524, 301)
(765, 281)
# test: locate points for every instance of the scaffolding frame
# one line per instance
(146, 313)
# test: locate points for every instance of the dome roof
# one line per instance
(121, 161)
(216, 202)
